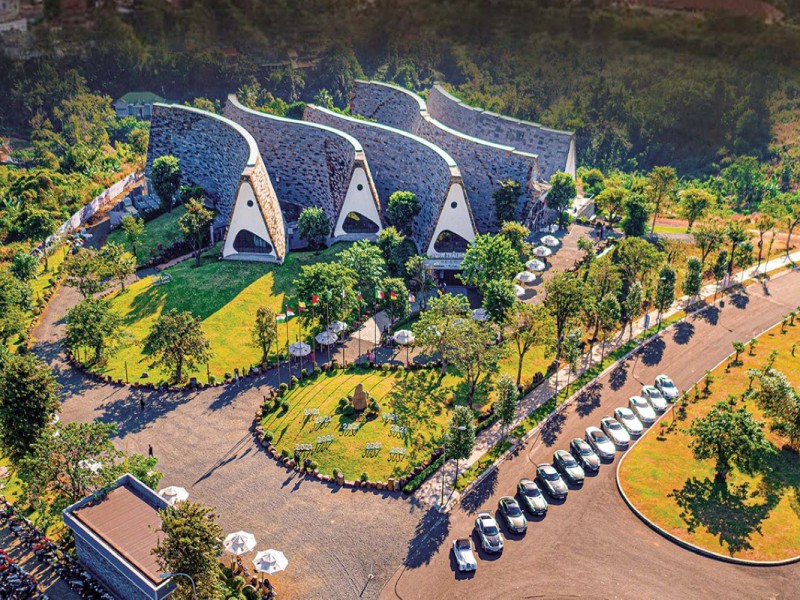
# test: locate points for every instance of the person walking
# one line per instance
(149, 450)
(141, 405)
(297, 458)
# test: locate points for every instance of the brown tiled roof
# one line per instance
(129, 524)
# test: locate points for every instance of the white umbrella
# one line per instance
(519, 291)
(535, 264)
(299, 349)
(326, 338)
(404, 337)
(174, 494)
(337, 326)
(526, 277)
(270, 561)
(240, 542)
(550, 240)
(542, 251)
(90, 465)
(480, 314)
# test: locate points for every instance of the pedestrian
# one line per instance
(297, 458)
(141, 404)
(149, 450)
(306, 465)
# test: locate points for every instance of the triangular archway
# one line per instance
(248, 237)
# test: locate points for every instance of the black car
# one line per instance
(551, 481)
(584, 454)
(532, 498)
(568, 466)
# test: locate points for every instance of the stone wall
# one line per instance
(401, 161)
(101, 568)
(556, 149)
(218, 155)
(482, 164)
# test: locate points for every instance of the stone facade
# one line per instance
(483, 164)
(109, 574)
(310, 165)
(556, 149)
(402, 161)
(218, 155)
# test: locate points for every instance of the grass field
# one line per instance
(162, 230)
(420, 399)
(756, 517)
(224, 294)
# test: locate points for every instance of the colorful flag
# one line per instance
(359, 296)
(411, 297)
(393, 295)
(314, 299)
(379, 295)
(289, 313)
(301, 307)
(280, 318)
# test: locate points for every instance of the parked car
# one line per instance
(603, 446)
(551, 481)
(463, 552)
(584, 454)
(489, 533)
(667, 388)
(568, 466)
(615, 431)
(532, 498)
(512, 515)
(629, 421)
(642, 409)
(654, 397)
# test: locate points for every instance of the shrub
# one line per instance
(228, 375)
(285, 453)
(282, 388)
(374, 406)
(312, 466)
(284, 406)
(417, 481)
(348, 410)
(268, 435)
(343, 402)
(334, 365)
(336, 473)
(293, 382)
(212, 380)
(317, 370)
(385, 367)
(364, 476)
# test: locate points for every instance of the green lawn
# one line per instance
(755, 518)
(225, 295)
(420, 399)
(162, 230)
(670, 228)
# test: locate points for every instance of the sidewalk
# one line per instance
(430, 492)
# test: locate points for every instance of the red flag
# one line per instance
(392, 295)
(359, 296)
(314, 299)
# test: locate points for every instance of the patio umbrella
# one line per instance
(519, 291)
(174, 494)
(526, 277)
(326, 338)
(270, 561)
(337, 326)
(404, 337)
(480, 314)
(90, 465)
(299, 349)
(240, 542)
(535, 264)
(542, 251)
(551, 240)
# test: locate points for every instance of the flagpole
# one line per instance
(288, 356)
(328, 320)
(359, 321)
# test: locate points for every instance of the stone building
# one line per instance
(483, 164)
(136, 104)
(555, 149)
(221, 157)
(402, 161)
(312, 165)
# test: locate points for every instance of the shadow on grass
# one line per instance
(429, 535)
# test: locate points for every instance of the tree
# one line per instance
(313, 226)
(738, 347)
(396, 250)
(709, 237)
(69, 462)
(177, 340)
(517, 234)
(333, 284)
(133, 228)
(693, 281)
(665, 290)
(573, 343)
(506, 200)
(562, 192)
(746, 180)
(661, 185)
(736, 232)
(265, 331)
(460, 435)
(24, 266)
(694, 203)
(611, 202)
(402, 209)
(142, 467)
(566, 294)
(608, 315)
(40, 224)
(528, 326)
(165, 175)
(86, 272)
(194, 225)
(421, 277)
(593, 182)
(28, 402)
(791, 217)
(436, 331)
(366, 261)
(505, 407)
(632, 304)
(489, 257)
(498, 298)
(764, 223)
(637, 259)
(586, 246)
(395, 299)
(475, 352)
(636, 212)
(116, 263)
(744, 255)
(15, 297)
(191, 544)
(731, 438)
(780, 403)
(92, 324)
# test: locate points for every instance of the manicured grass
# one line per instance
(225, 295)
(756, 517)
(420, 399)
(670, 228)
(162, 230)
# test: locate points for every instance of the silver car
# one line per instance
(667, 388)
(614, 430)
(603, 446)
(643, 411)
(489, 533)
(629, 421)
(465, 557)
(654, 397)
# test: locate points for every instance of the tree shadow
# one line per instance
(551, 428)
(429, 535)
(683, 332)
(710, 315)
(653, 352)
(128, 416)
(740, 300)
(726, 512)
(480, 493)
(618, 376)
(589, 399)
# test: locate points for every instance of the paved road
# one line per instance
(593, 545)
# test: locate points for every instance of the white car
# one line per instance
(614, 430)
(643, 411)
(600, 443)
(465, 557)
(654, 397)
(667, 388)
(629, 421)
(489, 533)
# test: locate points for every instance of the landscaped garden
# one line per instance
(752, 516)
(160, 233)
